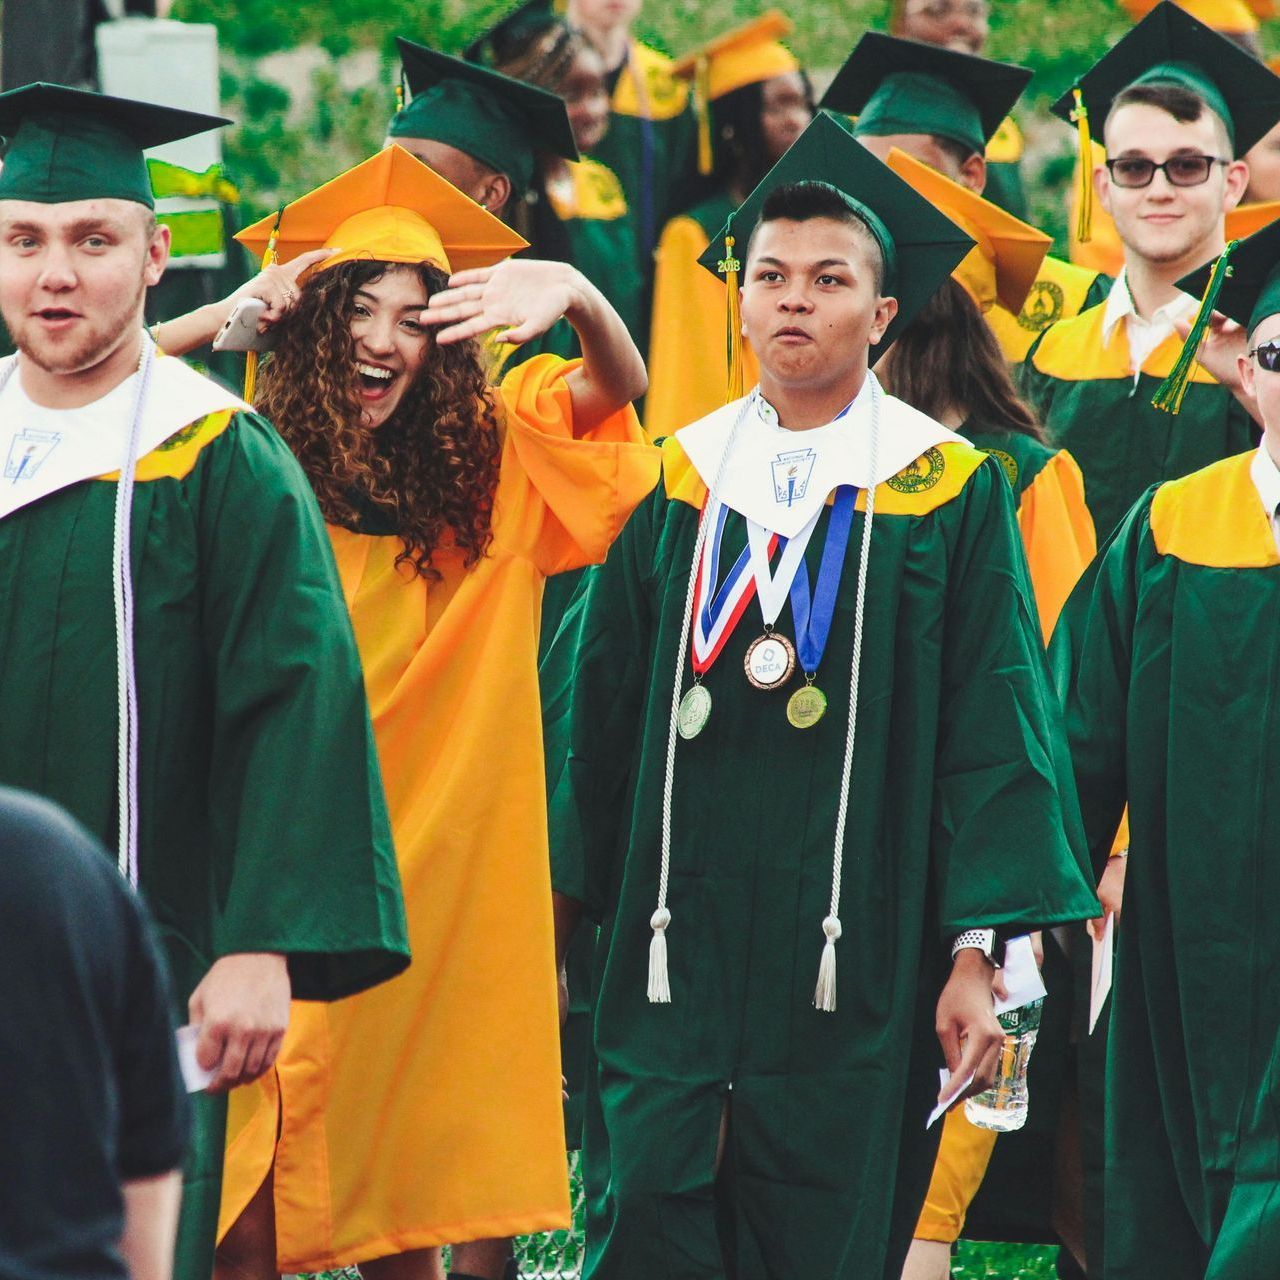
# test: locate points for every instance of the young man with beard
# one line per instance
(153, 529)
(740, 1120)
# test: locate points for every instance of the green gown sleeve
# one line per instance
(596, 673)
(1008, 851)
(306, 862)
(1090, 652)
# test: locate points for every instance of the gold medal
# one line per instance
(806, 707)
(694, 712)
(770, 661)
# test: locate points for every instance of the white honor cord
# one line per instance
(659, 978)
(824, 996)
(126, 674)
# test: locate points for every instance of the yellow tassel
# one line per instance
(399, 98)
(729, 266)
(1084, 220)
(1169, 394)
(702, 109)
(251, 359)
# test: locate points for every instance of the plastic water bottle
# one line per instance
(1003, 1107)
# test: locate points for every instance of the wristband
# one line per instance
(983, 940)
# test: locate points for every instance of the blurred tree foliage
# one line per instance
(282, 147)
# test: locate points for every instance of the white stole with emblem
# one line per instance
(780, 479)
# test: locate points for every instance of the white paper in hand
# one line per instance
(1103, 960)
(194, 1076)
(952, 1087)
(1021, 975)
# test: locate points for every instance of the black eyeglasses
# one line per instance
(1268, 355)
(1182, 171)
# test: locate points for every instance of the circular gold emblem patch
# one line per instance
(1008, 462)
(921, 474)
(1042, 307)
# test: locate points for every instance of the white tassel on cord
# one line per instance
(659, 976)
(824, 995)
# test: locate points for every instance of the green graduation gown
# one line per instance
(1167, 661)
(262, 825)
(961, 815)
(1088, 400)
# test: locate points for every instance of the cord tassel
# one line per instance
(659, 979)
(824, 995)
(729, 266)
(1170, 393)
(1084, 219)
(251, 360)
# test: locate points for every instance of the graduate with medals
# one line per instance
(1166, 660)
(741, 1117)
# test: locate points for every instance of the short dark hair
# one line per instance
(803, 201)
(956, 151)
(1183, 104)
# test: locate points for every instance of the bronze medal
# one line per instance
(694, 712)
(806, 707)
(770, 661)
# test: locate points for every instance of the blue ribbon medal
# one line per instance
(813, 615)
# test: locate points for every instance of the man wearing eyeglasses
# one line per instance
(1166, 661)
(1176, 103)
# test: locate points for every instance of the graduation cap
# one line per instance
(749, 54)
(69, 144)
(920, 245)
(1231, 17)
(1248, 275)
(499, 121)
(1007, 252)
(496, 43)
(1169, 46)
(391, 208)
(905, 86)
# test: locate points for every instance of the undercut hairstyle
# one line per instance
(1183, 104)
(804, 201)
(949, 358)
(427, 474)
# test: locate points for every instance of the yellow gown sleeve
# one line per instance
(962, 1162)
(563, 497)
(688, 365)
(1058, 534)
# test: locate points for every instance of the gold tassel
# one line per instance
(1084, 219)
(251, 359)
(729, 266)
(399, 97)
(1170, 393)
(702, 109)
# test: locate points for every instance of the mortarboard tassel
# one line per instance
(1170, 393)
(1084, 216)
(251, 360)
(729, 266)
(702, 109)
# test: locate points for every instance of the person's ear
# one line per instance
(886, 309)
(157, 255)
(973, 173)
(494, 192)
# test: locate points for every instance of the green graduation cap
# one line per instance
(921, 246)
(502, 122)
(499, 42)
(69, 144)
(905, 86)
(1169, 46)
(1249, 288)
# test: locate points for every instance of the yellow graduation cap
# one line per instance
(1231, 17)
(748, 54)
(390, 208)
(1245, 219)
(1007, 252)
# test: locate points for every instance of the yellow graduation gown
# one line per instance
(430, 1113)
(688, 359)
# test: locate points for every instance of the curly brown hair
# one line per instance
(430, 471)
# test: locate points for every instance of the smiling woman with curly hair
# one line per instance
(431, 1116)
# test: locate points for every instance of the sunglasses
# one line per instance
(1267, 355)
(1182, 171)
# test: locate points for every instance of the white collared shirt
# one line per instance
(1144, 335)
(1266, 479)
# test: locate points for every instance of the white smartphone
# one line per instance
(240, 333)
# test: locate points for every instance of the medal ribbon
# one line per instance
(772, 586)
(813, 617)
(717, 610)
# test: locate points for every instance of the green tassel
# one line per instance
(1169, 395)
